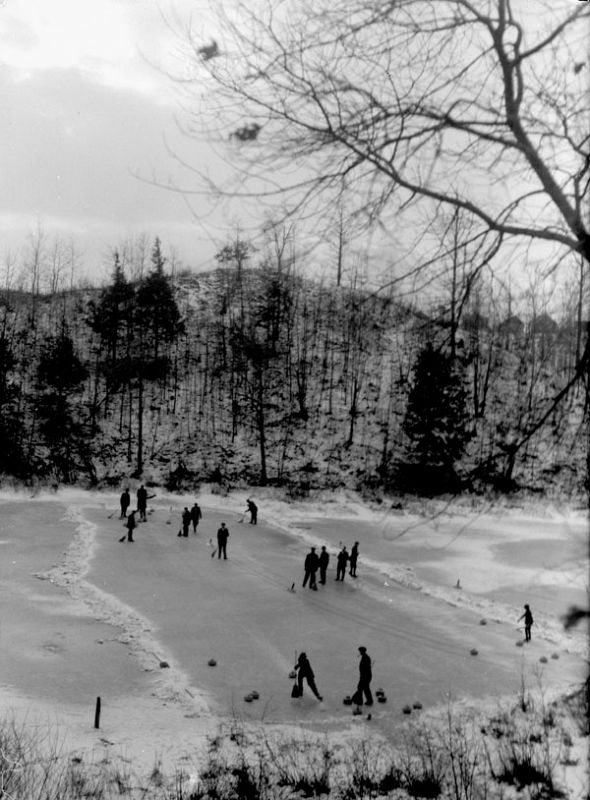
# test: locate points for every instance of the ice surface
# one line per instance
(85, 615)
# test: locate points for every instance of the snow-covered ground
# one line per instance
(85, 616)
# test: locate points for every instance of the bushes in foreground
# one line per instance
(523, 751)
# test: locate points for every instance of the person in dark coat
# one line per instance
(365, 677)
(324, 560)
(353, 558)
(253, 509)
(131, 526)
(528, 622)
(305, 672)
(125, 500)
(341, 562)
(310, 566)
(222, 537)
(186, 521)
(196, 515)
(142, 502)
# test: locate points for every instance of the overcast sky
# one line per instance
(85, 112)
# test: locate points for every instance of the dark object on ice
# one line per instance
(356, 711)
(417, 706)
(369, 716)
(381, 698)
(543, 659)
(124, 500)
(458, 584)
(365, 677)
(295, 690)
(292, 589)
(352, 559)
(341, 562)
(292, 674)
(310, 566)
(253, 509)
(324, 559)
(248, 698)
(196, 515)
(305, 672)
(519, 643)
(222, 537)
(483, 622)
(528, 622)
(407, 710)
(164, 665)
(347, 700)
(142, 498)
(131, 525)
(186, 521)
(555, 656)
(473, 651)
(212, 662)
(254, 694)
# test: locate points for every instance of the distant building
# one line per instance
(544, 325)
(513, 327)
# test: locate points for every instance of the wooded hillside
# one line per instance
(257, 375)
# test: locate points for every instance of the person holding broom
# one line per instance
(131, 525)
(305, 672)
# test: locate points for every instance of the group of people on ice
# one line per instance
(141, 502)
(315, 563)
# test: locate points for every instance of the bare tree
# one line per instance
(475, 105)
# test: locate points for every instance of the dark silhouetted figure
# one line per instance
(528, 622)
(305, 672)
(323, 561)
(222, 537)
(253, 509)
(353, 558)
(142, 502)
(125, 499)
(186, 521)
(365, 678)
(196, 515)
(131, 526)
(341, 562)
(310, 566)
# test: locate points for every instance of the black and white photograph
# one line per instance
(294, 399)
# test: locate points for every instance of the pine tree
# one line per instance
(12, 458)
(60, 374)
(436, 422)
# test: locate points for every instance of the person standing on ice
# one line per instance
(341, 562)
(196, 515)
(186, 521)
(528, 622)
(310, 566)
(324, 560)
(125, 500)
(305, 672)
(131, 526)
(222, 537)
(253, 509)
(353, 558)
(142, 502)
(365, 678)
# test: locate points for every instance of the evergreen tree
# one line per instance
(12, 458)
(436, 422)
(112, 318)
(60, 374)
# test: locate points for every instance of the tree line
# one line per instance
(255, 373)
